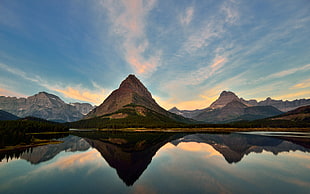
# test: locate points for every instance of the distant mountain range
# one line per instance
(229, 107)
(133, 105)
(46, 106)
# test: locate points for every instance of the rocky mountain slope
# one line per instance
(133, 100)
(42, 105)
(7, 116)
(235, 111)
(83, 108)
(221, 111)
(301, 114)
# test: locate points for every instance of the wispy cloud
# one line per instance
(231, 11)
(95, 97)
(5, 92)
(301, 85)
(187, 16)
(199, 147)
(19, 73)
(198, 101)
(128, 20)
(286, 72)
(77, 92)
(211, 29)
(294, 95)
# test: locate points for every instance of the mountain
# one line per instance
(83, 108)
(131, 91)
(301, 114)
(186, 113)
(251, 110)
(130, 105)
(224, 99)
(284, 106)
(235, 146)
(297, 118)
(234, 111)
(42, 105)
(7, 116)
(227, 96)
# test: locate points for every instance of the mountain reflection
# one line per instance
(131, 153)
(235, 146)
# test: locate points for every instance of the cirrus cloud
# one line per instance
(128, 20)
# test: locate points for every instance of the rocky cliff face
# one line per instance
(284, 106)
(131, 92)
(42, 105)
(83, 108)
(235, 111)
(222, 111)
(224, 99)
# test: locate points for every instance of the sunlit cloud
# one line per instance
(294, 95)
(187, 17)
(301, 85)
(140, 188)
(4, 92)
(75, 160)
(199, 147)
(128, 20)
(95, 97)
(199, 100)
(182, 105)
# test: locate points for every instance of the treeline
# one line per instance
(15, 132)
(158, 121)
(32, 126)
(133, 120)
(267, 123)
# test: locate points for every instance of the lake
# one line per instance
(118, 162)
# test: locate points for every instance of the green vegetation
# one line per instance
(133, 120)
(17, 131)
(269, 123)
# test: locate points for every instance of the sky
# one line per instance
(185, 52)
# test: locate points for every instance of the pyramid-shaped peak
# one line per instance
(130, 91)
(131, 81)
(225, 98)
(46, 95)
(133, 85)
(227, 93)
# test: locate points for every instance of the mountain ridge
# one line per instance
(252, 109)
(42, 105)
(133, 95)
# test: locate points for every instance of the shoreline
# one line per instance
(206, 130)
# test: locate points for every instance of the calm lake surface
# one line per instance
(106, 162)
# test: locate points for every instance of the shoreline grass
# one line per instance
(213, 130)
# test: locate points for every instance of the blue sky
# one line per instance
(185, 52)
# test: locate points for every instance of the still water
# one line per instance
(92, 162)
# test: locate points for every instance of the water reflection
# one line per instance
(235, 146)
(130, 154)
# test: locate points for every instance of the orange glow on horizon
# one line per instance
(87, 96)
